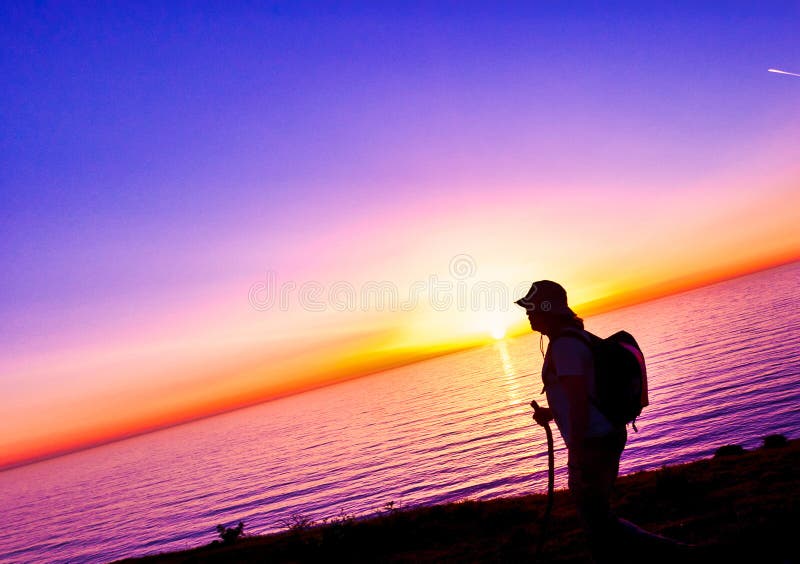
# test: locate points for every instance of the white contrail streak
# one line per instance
(783, 72)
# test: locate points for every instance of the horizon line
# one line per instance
(602, 306)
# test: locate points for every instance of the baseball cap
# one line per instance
(546, 296)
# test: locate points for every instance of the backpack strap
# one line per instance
(573, 332)
(590, 339)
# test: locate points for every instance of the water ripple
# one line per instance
(723, 369)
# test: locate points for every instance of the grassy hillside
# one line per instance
(736, 508)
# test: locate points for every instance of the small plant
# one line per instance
(341, 519)
(336, 529)
(729, 450)
(775, 441)
(298, 522)
(229, 535)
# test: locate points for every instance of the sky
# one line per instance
(209, 205)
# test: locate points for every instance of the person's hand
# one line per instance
(543, 415)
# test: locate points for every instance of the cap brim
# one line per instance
(531, 306)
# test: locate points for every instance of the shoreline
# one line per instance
(741, 506)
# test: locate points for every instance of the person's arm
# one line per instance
(577, 391)
(542, 415)
(575, 368)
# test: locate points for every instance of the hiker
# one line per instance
(594, 444)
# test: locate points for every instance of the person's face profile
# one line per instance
(538, 320)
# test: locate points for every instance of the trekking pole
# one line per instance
(550, 482)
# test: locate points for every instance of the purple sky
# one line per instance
(156, 160)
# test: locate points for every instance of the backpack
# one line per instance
(620, 376)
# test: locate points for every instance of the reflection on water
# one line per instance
(445, 429)
(508, 369)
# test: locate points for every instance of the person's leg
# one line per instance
(592, 472)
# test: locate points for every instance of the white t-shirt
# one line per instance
(570, 356)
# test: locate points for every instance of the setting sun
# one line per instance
(266, 262)
(498, 332)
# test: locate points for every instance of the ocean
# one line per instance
(723, 369)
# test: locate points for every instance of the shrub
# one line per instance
(229, 535)
(729, 450)
(298, 522)
(775, 441)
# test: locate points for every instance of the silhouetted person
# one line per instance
(593, 443)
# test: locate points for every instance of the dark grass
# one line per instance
(734, 508)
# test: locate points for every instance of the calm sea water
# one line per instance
(723, 364)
